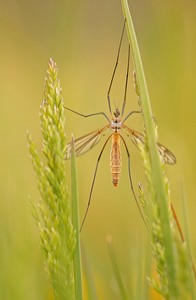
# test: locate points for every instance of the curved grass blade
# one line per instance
(156, 172)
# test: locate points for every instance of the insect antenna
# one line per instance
(116, 105)
(93, 182)
(114, 71)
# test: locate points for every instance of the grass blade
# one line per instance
(90, 282)
(170, 252)
(76, 226)
(157, 177)
(116, 270)
(187, 238)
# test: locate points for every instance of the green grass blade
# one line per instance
(90, 282)
(187, 238)
(170, 252)
(157, 177)
(116, 270)
(76, 226)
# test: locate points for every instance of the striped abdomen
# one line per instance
(115, 159)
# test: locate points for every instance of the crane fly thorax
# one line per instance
(116, 123)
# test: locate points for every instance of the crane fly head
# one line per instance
(116, 114)
(116, 123)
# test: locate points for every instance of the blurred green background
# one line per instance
(83, 37)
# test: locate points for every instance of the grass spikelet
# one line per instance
(53, 213)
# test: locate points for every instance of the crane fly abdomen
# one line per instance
(115, 159)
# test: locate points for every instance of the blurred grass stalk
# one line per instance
(76, 225)
(56, 219)
(125, 295)
(171, 255)
(136, 287)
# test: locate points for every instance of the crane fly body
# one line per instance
(117, 128)
(115, 159)
(90, 140)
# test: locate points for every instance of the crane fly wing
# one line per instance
(166, 155)
(85, 142)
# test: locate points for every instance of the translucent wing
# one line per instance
(85, 142)
(166, 155)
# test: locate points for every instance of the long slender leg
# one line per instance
(126, 82)
(177, 223)
(132, 112)
(93, 182)
(114, 71)
(130, 180)
(89, 115)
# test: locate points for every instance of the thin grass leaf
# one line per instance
(90, 283)
(117, 273)
(170, 253)
(187, 238)
(76, 226)
(144, 267)
(156, 172)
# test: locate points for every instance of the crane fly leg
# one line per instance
(130, 180)
(115, 67)
(93, 182)
(126, 83)
(89, 115)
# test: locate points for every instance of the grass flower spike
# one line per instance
(53, 213)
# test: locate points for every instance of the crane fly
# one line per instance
(115, 126)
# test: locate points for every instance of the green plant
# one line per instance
(172, 257)
(56, 214)
(56, 219)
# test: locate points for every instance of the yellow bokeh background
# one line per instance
(83, 39)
